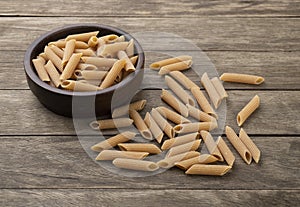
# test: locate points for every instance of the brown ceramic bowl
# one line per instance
(82, 104)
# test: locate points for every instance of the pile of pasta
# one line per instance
(85, 62)
(180, 129)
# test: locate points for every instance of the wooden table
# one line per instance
(43, 164)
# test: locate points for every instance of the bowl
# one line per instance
(82, 104)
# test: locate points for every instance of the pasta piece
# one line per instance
(41, 59)
(201, 159)
(82, 36)
(179, 91)
(59, 43)
(86, 52)
(183, 80)
(238, 145)
(113, 141)
(100, 44)
(111, 38)
(140, 124)
(59, 52)
(123, 110)
(52, 72)
(219, 87)
(132, 164)
(203, 103)
(248, 110)
(93, 41)
(81, 45)
(99, 62)
(111, 123)
(255, 152)
(69, 50)
(44, 56)
(154, 128)
(85, 66)
(159, 64)
(113, 73)
(225, 151)
(71, 66)
(109, 49)
(174, 103)
(169, 162)
(140, 147)
(175, 67)
(211, 145)
(90, 74)
(91, 82)
(242, 78)
(172, 115)
(194, 127)
(120, 39)
(211, 91)
(199, 115)
(190, 146)
(179, 140)
(62, 44)
(113, 154)
(41, 71)
(162, 123)
(134, 59)
(129, 66)
(78, 86)
(130, 48)
(54, 58)
(202, 169)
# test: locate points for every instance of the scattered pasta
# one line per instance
(242, 78)
(248, 110)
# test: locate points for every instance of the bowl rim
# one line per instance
(29, 70)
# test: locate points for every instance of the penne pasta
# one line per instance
(140, 124)
(175, 67)
(111, 38)
(179, 91)
(90, 74)
(130, 48)
(82, 36)
(78, 86)
(183, 80)
(134, 59)
(242, 78)
(219, 87)
(199, 115)
(85, 66)
(190, 146)
(100, 44)
(93, 41)
(129, 66)
(109, 49)
(238, 145)
(54, 58)
(211, 145)
(112, 74)
(162, 123)
(52, 72)
(40, 58)
(91, 82)
(120, 39)
(59, 43)
(71, 66)
(255, 152)
(225, 151)
(202, 169)
(111, 123)
(174, 103)
(40, 69)
(113, 141)
(169, 162)
(159, 64)
(59, 52)
(44, 56)
(123, 110)
(211, 91)
(201, 159)
(172, 115)
(62, 44)
(132, 164)
(180, 140)
(194, 127)
(81, 45)
(248, 110)
(99, 62)
(140, 147)
(69, 50)
(86, 52)
(113, 154)
(154, 128)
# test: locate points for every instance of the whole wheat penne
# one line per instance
(140, 124)
(111, 123)
(81, 45)
(44, 56)
(140, 147)
(159, 64)
(199, 115)
(179, 91)
(238, 145)
(85, 66)
(123, 110)
(41, 71)
(71, 66)
(69, 50)
(211, 145)
(190, 146)
(169, 162)
(101, 42)
(111, 38)
(113, 141)
(90, 74)
(99, 62)
(82, 36)
(132, 164)
(59, 43)
(59, 52)
(242, 78)
(91, 82)
(113, 73)
(162, 123)
(201, 159)
(78, 86)
(255, 152)
(134, 59)
(219, 87)
(120, 39)
(175, 67)
(53, 74)
(183, 80)
(154, 128)
(86, 52)
(113, 154)
(169, 143)
(203, 169)
(130, 48)
(62, 44)
(129, 66)
(41, 59)
(194, 127)
(225, 151)
(211, 91)
(54, 58)
(109, 49)
(93, 41)
(174, 103)
(248, 110)
(203, 103)
(172, 115)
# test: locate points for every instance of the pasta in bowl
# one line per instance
(87, 62)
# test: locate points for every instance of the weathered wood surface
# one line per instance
(150, 8)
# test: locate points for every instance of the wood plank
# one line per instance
(208, 33)
(83, 197)
(150, 8)
(22, 114)
(61, 162)
(280, 69)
